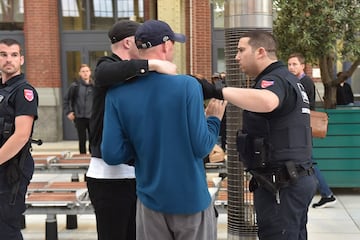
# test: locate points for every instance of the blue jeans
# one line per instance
(323, 187)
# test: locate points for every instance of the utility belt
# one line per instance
(273, 179)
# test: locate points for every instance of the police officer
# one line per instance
(275, 142)
(18, 111)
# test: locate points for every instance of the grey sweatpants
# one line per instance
(152, 225)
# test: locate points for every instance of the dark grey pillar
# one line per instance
(51, 231)
(240, 16)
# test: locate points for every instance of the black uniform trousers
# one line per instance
(11, 215)
(285, 220)
(114, 201)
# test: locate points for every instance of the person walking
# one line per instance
(78, 104)
(296, 65)
(112, 189)
(275, 142)
(18, 111)
(158, 122)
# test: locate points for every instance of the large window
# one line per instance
(133, 9)
(99, 14)
(11, 15)
(218, 15)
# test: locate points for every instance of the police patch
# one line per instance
(266, 83)
(29, 94)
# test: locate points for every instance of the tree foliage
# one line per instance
(325, 31)
(217, 2)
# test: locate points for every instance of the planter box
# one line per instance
(338, 155)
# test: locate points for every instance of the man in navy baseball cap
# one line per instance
(155, 32)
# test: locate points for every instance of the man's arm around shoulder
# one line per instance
(110, 71)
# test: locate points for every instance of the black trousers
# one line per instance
(285, 220)
(11, 215)
(114, 201)
(83, 128)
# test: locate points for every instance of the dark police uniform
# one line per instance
(276, 149)
(17, 97)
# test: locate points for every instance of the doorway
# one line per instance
(72, 57)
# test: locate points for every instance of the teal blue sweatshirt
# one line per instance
(159, 121)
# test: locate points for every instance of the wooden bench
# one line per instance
(56, 186)
(67, 163)
(58, 163)
(52, 198)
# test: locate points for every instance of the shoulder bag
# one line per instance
(319, 122)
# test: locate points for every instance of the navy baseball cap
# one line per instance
(155, 32)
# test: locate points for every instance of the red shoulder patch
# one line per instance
(29, 94)
(266, 83)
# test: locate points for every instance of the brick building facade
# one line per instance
(45, 43)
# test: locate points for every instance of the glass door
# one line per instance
(72, 59)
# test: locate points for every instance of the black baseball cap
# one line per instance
(155, 32)
(122, 29)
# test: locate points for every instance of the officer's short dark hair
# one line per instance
(10, 42)
(259, 38)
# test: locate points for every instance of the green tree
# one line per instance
(325, 31)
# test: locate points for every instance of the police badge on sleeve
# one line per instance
(29, 94)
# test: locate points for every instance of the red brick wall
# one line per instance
(187, 34)
(201, 38)
(42, 43)
(42, 40)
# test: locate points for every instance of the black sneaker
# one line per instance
(325, 202)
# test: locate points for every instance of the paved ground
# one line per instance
(341, 221)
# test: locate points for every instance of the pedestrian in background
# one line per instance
(296, 65)
(344, 93)
(78, 105)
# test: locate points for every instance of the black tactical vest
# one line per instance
(287, 136)
(7, 112)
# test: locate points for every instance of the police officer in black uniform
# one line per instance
(18, 111)
(275, 142)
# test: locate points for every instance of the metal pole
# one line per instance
(240, 16)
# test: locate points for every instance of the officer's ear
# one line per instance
(261, 52)
(22, 60)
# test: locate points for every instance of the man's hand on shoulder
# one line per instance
(162, 66)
